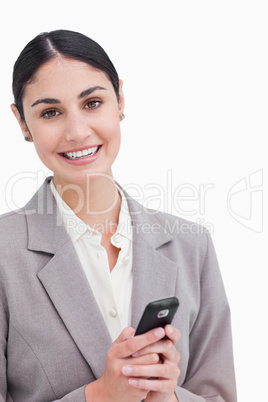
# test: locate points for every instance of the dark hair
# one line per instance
(49, 45)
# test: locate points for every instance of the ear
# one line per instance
(22, 124)
(121, 101)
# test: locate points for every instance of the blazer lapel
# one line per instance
(68, 288)
(65, 282)
(154, 275)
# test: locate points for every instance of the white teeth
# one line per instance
(79, 154)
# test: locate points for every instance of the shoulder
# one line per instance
(176, 225)
(14, 224)
(186, 235)
(159, 222)
(188, 244)
(175, 236)
(13, 229)
(10, 221)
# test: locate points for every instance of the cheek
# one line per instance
(45, 138)
(44, 144)
(111, 130)
(113, 141)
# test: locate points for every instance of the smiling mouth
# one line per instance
(81, 154)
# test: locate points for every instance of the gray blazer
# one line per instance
(53, 340)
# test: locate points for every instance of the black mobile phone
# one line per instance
(158, 313)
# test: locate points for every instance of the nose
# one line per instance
(77, 129)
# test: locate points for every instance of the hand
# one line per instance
(113, 386)
(160, 379)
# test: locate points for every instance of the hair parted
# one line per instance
(49, 45)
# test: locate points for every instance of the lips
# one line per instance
(85, 153)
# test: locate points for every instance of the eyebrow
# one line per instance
(46, 100)
(54, 100)
(89, 91)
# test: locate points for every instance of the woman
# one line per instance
(82, 259)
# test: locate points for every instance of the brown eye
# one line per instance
(93, 104)
(48, 114)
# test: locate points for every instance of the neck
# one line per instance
(96, 202)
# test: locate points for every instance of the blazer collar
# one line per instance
(154, 275)
(45, 225)
(46, 228)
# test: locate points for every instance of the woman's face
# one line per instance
(72, 114)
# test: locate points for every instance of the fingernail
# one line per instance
(131, 381)
(159, 332)
(126, 370)
(170, 329)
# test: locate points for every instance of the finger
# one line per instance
(151, 358)
(172, 333)
(157, 347)
(171, 356)
(154, 385)
(127, 333)
(165, 348)
(156, 370)
(133, 344)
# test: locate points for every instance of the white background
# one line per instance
(196, 88)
